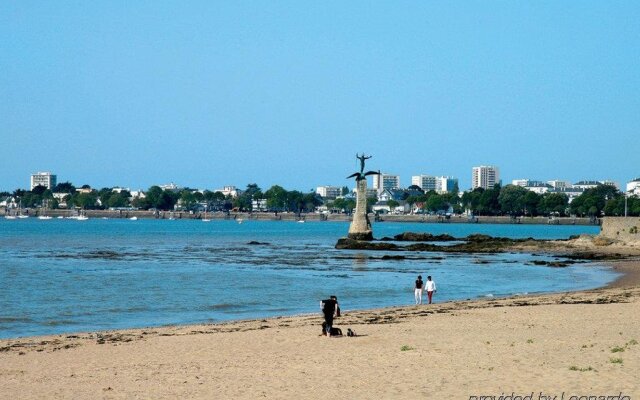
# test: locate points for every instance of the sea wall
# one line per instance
(289, 216)
(625, 229)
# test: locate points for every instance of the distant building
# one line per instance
(484, 176)
(520, 182)
(85, 189)
(446, 184)
(46, 179)
(633, 187)
(137, 194)
(172, 187)
(229, 191)
(259, 205)
(556, 184)
(592, 184)
(538, 187)
(386, 181)
(570, 191)
(534, 186)
(328, 192)
(424, 182)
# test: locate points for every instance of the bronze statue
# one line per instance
(362, 175)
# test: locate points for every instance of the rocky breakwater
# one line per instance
(482, 244)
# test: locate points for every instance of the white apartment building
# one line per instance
(633, 187)
(383, 182)
(538, 187)
(328, 192)
(46, 179)
(593, 184)
(556, 184)
(520, 182)
(229, 191)
(171, 187)
(484, 176)
(424, 182)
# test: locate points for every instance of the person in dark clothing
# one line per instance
(418, 290)
(329, 310)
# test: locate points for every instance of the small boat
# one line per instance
(205, 219)
(133, 218)
(45, 217)
(60, 217)
(301, 221)
(239, 220)
(9, 217)
(23, 216)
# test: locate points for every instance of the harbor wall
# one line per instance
(285, 216)
(625, 229)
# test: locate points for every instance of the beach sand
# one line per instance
(580, 343)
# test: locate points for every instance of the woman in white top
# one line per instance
(431, 287)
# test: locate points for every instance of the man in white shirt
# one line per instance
(431, 287)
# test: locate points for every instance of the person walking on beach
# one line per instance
(431, 287)
(417, 292)
(330, 310)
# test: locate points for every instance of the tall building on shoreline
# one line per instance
(439, 184)
(382, 182)
(424, 182)
(484, 176)
(46, 179)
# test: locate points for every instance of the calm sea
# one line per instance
(68, 276)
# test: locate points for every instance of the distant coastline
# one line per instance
(314, 217)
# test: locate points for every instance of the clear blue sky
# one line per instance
(206, 94)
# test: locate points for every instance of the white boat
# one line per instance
(239, 220)
(23, 216)
(133, 218)
(9, 217)
(82, 218)
(301, 221)
(60, 217)
(45, 217)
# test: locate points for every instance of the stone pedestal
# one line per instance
(360, 228)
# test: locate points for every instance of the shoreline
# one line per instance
(308, 217)
(582, 343)
(629, 279)
(559, 342)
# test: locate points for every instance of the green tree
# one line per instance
(85, 201)
(187, 199)
(435, 203)
(392, 205)
(592, 201)
(276, 198)
(64, 187)
(511, 199)
(553, 203)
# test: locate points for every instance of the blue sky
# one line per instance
(206, 94)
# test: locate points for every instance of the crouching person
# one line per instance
(329, 310)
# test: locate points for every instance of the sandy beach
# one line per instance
(579, 344)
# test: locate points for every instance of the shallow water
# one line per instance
(65, 276)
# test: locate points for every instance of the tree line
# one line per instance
(509, 200)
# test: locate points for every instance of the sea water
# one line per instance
(61, 276)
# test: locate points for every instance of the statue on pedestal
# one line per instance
(360, 228)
